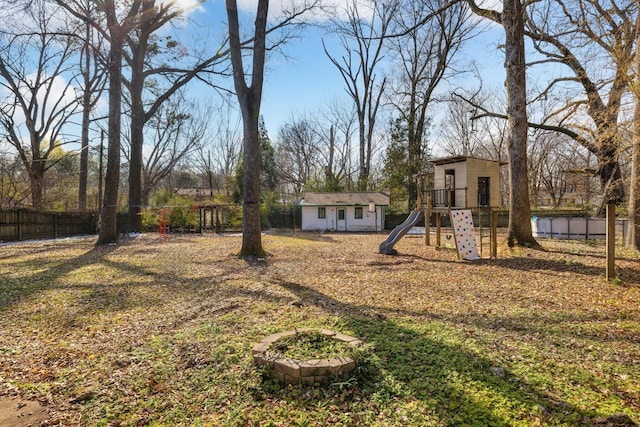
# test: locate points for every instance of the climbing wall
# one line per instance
(462, 222)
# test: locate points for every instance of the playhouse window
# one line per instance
(358, 212)
(322, 213)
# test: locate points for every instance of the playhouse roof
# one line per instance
(457, 159)
(345, 199)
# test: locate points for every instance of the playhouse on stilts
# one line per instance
(464, 189)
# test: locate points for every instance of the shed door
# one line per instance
(341, 219)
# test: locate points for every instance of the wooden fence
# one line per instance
(22, 224)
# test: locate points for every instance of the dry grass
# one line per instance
(160, 333)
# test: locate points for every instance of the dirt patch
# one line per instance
(21, 413)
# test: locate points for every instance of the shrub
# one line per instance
(178, 211)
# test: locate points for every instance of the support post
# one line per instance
(611, 242)
(438, 226)
(494, 234)
(427, 219)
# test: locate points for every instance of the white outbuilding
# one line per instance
(341, 211)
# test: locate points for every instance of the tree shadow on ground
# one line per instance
(450, 379)
(43, 276)
(313, 237)
(555, 265)
(426, 365)
(558, 265)
(98, 295)
(629, 275)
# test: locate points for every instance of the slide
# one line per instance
(386, 247)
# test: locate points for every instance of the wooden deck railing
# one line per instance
(446, 198)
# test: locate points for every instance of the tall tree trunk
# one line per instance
(414, 143)
(512, 20)
(609, 172)
(249, 98)
(329, 177)
(138, 120)
(520, 211)
(86, 119)
(633, 231)
(147, 187)
(89, 99)
(36, 178)
(109, 215)
(251, 226)
(84, 156)
(363, 176)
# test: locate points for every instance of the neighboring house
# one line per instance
(198, 194)
(573, 188)
(359, 211)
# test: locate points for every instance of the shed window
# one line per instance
(322, 212)
(358, 212)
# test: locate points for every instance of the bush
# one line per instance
(183, 218)
(178, 212)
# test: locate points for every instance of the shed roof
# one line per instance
(345, 199)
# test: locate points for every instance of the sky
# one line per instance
(303, 80)
(306, 82)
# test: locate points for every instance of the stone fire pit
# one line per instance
(310, 371)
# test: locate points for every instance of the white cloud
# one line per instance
(186, 5)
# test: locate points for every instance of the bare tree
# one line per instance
(249, 99)
(93, 82)
(116, 31)
(149, 57)
(589, 37)
(176, 130)
(114, 25)
(218, 155)
(512, 20)
(633, 233)
(459, 135)
(363, 40)
(152, 18)
(297, 153)
(424, 56)
(337, 127)
(37, 73)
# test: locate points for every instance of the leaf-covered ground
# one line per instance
(153, 333)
